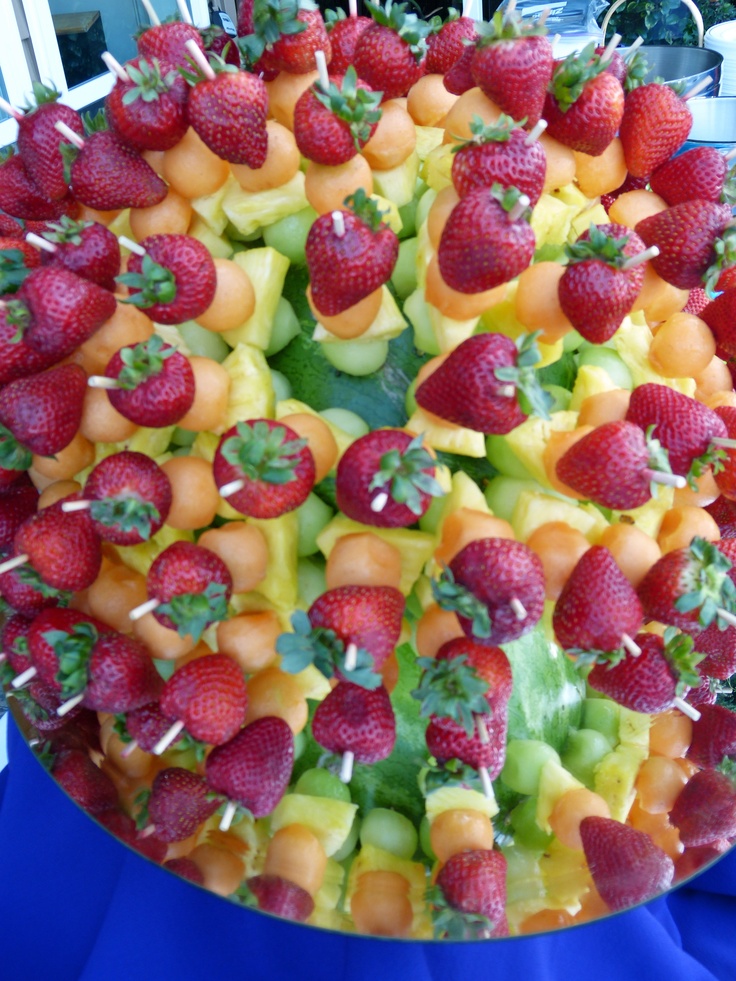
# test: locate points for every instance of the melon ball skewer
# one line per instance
(23, 678)
(697, 88)
(152, 15)
(536, 132)
(10, 110)
(184, 11)
(636, 260)
(115, 67)
(607, 53)
(68, 133)
(40, 243)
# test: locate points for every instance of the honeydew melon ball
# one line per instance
(281, 385)
(311, 579)
(289, 235)
(404, 276)
(284, 328)
(313, 515)
(318, 782)
(202, 342)
(610, 361)
(357, 358)
(347, 420)
(524, 761)
(389, 830)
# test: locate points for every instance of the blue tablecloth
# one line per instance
(77, 906)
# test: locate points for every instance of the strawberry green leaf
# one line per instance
(13, 456)
(143, 361)
(404, 478)
(683, 659)
(725, 250)
(154, 283)
(263, 453)
(502, 27)
(451, 595)
(498, 132)
(192, 613)
(410, 28)
(706, 585)
(572, 75)
(120, 728)
(149, 82)
(532, 397)
(42, 95)
(140, 804)
(322, 647)
(599, 245)
(66, 229)
(365, 208)
(126, 514)
(451, 688)
(358, 107)
(454, 924)
(13, 272)
(29, 577)
(73, 651)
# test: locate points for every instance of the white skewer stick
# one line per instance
(697, 88)
(227, 815)
(482, 729)
(152, 15)
(379, 502)
(130, 245)
(518, 608)
(630, 644)
(321, 62)
(3, 656)
(730, 155)
(40, 243)
(146, 832)
(467, 7)
(506, 391)
(485, 782)
(352, 8)
(535, 133)
(338, 223)
(728, 617)
(70, 506)
(542, 19)
(346, 769)
(69, 704)
(227, 490)
(509, 11)
(114, 66)
(686, 709)
(668, 479)
(607, 52)
(130, 747)
(184, 11)
(12, 563)
(100, 381)
(634, 47)
(727, 444)
(10, 110)
(140, 611)
(169, 737)
(554, 41)
(200, 59)
(351, 657)
(25, 676)
(519, 208)
(69, 134)
(644, 256)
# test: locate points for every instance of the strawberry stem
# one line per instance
(263, 453)
(403, 478)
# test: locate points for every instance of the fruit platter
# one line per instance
(368, 469)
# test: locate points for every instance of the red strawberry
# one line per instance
(331, 125)
(253, 768)
(473, 884)
(43, 411)
(18, 359)
(228, 109)
(446, 46)
(685, 427)
(20, 197)
(24, 591)
(217, 41)
(627, 867)
(209, 696)
(697, 301)
(695, 859)
(14, 642)
(512, 64)
(167, 43)
(615, 64)
(275, 466)
(714, 736)
(154, 383)
(598, 608)
(65, 310)
(499, 153)
(149, 111)
(357, 721)
(719, 648)
(85, 783)
(174, 281)
(688, 586)
(652, 681)
(107, 174)
(87, 248)
(180, 802)
(496, 587)
(390, 53)
(147, 725)
(40, 703)
(14, 459)
(53, 628)
(655, 124)
(685, 235)
(343, 32)
(122, 676)
(18, 501)
(705, 809)
(585, 103)
(720, 316)
(30, 257)
(38, 141)
(614, 465)
(130, 497)
(486, 383)
(459, 78)
(723, 511)
(697, 173)
(123, 827)
(10, 228)
(49, 537)
(186, 868)
(193, 587)
(386, 478)
(294, 50)
(349, 257)
(487, 240)
(281, 897)
(704, 694)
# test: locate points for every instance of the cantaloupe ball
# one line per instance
(635, 552)
(295, 853)
(65, 463)
(537, 304)
(352, 322)
(284, 92)
(452, 303)
(715, 377)
(434, 628)
(167, 644)
(439, 212)
(363, 559)
(681, 524)
(557, 445)
(273, 692)
(467, 525)
(208, 411)
(169, 217)
(705, 491)
(320, 440)
(93, 214)
(428, 101)
(380, 905)
(281, 163)
(192, 169)
(234, 301)
(116, 591)
(559, 547)
(250, 639)
(560, 163)
(602, 174)
(327, 187)
(195, 498)
(469, 104)
(101, 422)
(602, 407)
(658, 298)
(631, 207)
(127, 326)
(570, 809)
(56, 492)
(394, 138)
(222, 870)
(243, 549)
(155, 160)
(683, 345)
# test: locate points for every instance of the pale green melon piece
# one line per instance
(389, 323)
(120, 225)
(218, 246)
(267, 270)
(428, 138)
(328, 895)
(288, 407)
(449, 438)
(398, 183)
(249, 211)
(416, 309)
(449, 798)
(615, 777)
(210, 209)
(251, 392)
(328, 819)
(140, 557)
(554, 781)
(632, 341)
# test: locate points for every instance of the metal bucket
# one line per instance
(714, 122)
(683, 64)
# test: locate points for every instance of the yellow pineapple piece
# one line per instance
(428, 138)
(389, 323)
(267, 270)
(398, 183)
(615, 776)
(330, 820)
(328, 895)
(280, 586)
(565, 875)
(250, 211)
(449, 798)
(217, 246)
(210, 209)
(535, 508)
(449, 438)
(390, 212)
(591, 379)
(436, 168)
(554, 781)
(251, 392)
(448, 331)
(632, 341)
(529, 439)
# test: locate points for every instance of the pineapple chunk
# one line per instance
(649, 516)
(615, 776)
(551, 220)
(312, 682)
(250, 211)
(288, 407)
(554, 781)
(447, 436)
(251, 392)
(448, 331)
(582, 221)
(535, 508)
(428, 138)
(210, 209)
(436, 168)
(529, 439)
(591, 379)
(280, 585)
(450, 798)
(267, 270)
(565, 875)
(398, 183)
(328, 895)
(121, 226)
(632, 341)
(389, 212)
(463, 493)
(216, 245)
(389, 323)
(329, 820)
(140, 557)
(330, 919)
(633, 730)
(373, 859)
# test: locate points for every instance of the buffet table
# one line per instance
(75, 905)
